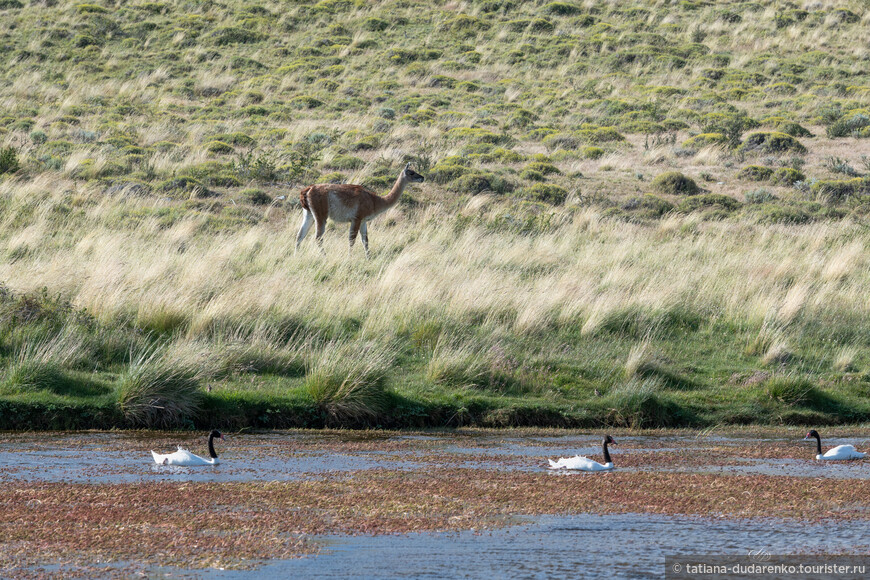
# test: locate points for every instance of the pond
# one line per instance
(511, 544)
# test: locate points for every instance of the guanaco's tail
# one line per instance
(303, 198)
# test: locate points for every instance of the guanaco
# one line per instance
(348, 203)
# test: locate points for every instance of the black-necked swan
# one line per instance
(838, 452)
(584, 463)
(185, 457)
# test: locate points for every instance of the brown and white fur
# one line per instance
(348, 203)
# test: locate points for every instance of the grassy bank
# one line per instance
(634, 214)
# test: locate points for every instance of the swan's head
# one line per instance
(609, 440)
(216, 433)
(812, 434)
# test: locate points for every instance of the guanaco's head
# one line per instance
(411, 175)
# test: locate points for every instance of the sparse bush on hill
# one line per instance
(836, 190)
(705, 139)
(772, 142)
(755, 173)
(648, 206)
(787, 176)
(547, 192)
(674, 183)
(8, 160)
(717, 203)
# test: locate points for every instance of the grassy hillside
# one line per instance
(645, 214)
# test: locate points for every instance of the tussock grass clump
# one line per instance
(846, 360)
(26, 376)
(644, 362)
(638, 404)
(264, 357)
(347, 381)
(777, 353)
(789, 390)
(457, 364)
(157, 391)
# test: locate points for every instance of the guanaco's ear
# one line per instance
(407, 165)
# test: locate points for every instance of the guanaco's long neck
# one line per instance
(606, 453)
(388, 201)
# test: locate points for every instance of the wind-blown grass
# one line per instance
(347, 381)
(156, 391)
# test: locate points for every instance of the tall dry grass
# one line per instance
(189, 280)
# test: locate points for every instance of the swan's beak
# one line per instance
(222, 438)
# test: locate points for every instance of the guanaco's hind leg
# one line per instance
(307, 220)
(351, 237)
(364, 232)
(319, 228)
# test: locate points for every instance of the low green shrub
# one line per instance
(219, 147)
(256, 196)
(346, 162)
(225, 35)
(474, 182)
(836, 190)
(543, 167)
(760, 195)
(447, 172)
(708, 201)
(547, 192)
(238, 139)
(755, 173)
(772, 142)
(9, 160)
(648, 206)
(705, 139)
(787, 176)
(593, 152)
(532, 175)
(561, 9)
(776, 213)
(854, 123)
(674, 183)
(477, 135)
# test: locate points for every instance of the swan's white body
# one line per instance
(182, 457)
(579, 463)
(842, 452)
(838, 453)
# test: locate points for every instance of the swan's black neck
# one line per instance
(211, 452)
(818, 443)
(606, 453)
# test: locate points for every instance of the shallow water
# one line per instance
(583, 545)
(580, 546)
(124, 457)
